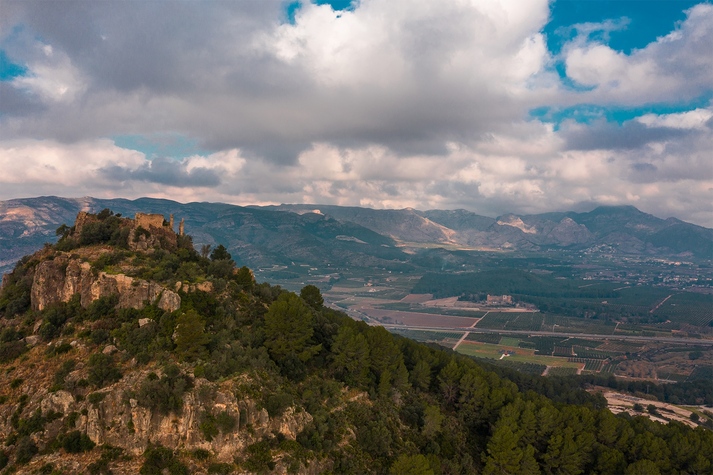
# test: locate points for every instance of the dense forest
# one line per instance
(378, 403)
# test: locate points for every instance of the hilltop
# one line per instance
(125, 350)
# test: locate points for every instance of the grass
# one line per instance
(486, 350)
(509, 341)
(428, 335)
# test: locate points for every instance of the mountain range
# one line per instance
(328, 235)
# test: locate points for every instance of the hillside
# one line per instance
(399, 240)
(123, 350)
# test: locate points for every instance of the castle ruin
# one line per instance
(146, 220)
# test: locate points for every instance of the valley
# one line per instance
(665, 335)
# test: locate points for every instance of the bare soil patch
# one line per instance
(416, 319)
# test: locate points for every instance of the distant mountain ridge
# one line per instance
(621, 228)
(324, 235)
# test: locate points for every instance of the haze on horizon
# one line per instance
(493, 106)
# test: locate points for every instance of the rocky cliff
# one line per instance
(58, 280)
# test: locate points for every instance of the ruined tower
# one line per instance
(180, 228)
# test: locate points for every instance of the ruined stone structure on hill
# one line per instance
(146, 220)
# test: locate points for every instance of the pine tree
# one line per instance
(289, 329)
(191, 337)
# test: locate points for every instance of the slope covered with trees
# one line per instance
(247, 377)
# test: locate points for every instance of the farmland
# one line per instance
(560, 317)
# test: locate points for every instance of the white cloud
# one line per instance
(673, 67)
(695, 119)
(52, 76)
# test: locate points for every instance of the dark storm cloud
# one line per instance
(643, 172)
(161, 46)
(165, 172)
(611, 136)
(16, 102)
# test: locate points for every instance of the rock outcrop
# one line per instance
(63, 275)
(60, 279)
(122, 422)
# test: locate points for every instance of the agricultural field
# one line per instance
(612, 339)
(529, 321)
(397, 317)
(688, 308)
(444, 338)
(496, 352)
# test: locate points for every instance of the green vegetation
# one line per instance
(159, 460)
(572, 297)
(164, 394)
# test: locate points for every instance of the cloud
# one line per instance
(163, 171)
(394, 103)
(408, 76)
(609, 136)
(678, 66)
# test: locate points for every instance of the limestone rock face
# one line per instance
(59, 279)
(123, 423)
(568, 232)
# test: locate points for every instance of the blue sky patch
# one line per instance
(587, 113)
(337, 5)
(8, 69)
(161, 145)
(646, 20)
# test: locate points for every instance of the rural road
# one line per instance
(687, 341)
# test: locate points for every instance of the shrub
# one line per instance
(277, 403)
(208, 426)
(76, 442)
(164, 395)
(99, 336)
(58, 349)
(226, 422)
(71, 420)
(200, 454)
(220, 468)
(96, 398)
(158, 459)
(103, 307)
(102, 370)
(15, 296)
(99, 467)
(46, 469)
(259, 457)
(11, 350)
(25, 449)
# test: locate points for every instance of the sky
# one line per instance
(493, 106)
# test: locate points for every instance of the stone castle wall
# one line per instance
(146, 220)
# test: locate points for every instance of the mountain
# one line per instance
(622, 229)
(123, 350)
(334, 236)
(258, 237)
